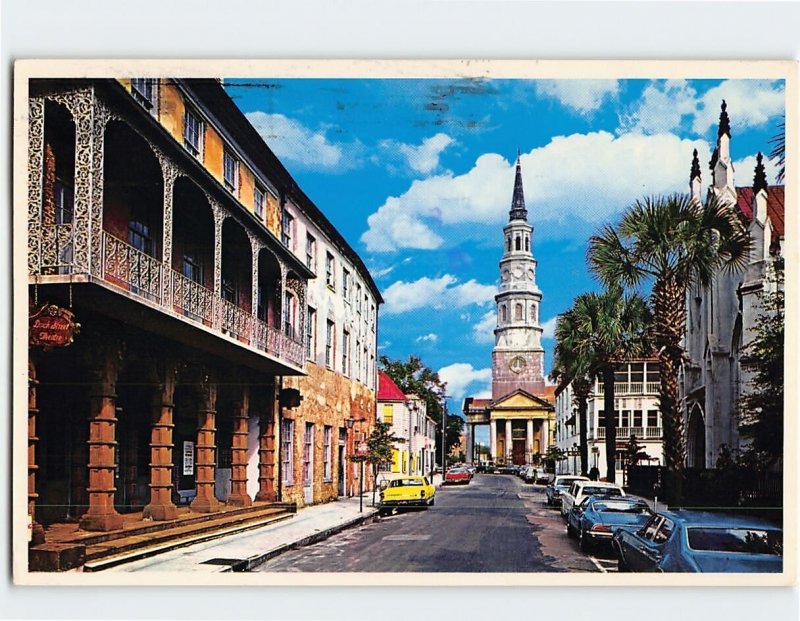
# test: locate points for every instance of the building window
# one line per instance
(652, 418)
(287, 229)
(357, 373)
(192, 133)
(311, 253)
(346, 352)
(518, 312)
(287, 442)
(388, 413)
(527, 243)
(258, 202)
(346, 284)
(229, 291)
(330, 277)
(365, 374)
(327, 454)
(192, 268)
(516, 243)
(329, 338)
(144, 91)
(289, 313)
(508, 244)
(372, 317)
(65, 201)
(624, 418)
(230, 171)
(140, 234)
(358, 298)
(311, 334)
(503, 313)
(308, 453)
(637, 418)
(601, 418)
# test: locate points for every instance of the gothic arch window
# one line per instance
(518, 312)
(504, 312)
(527, 243)
(517, 243)
(508, 243)
(533, 313)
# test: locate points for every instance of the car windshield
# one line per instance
(620, 506)
(406, 483)
(605, 491)
(743, 540)
(565, 482)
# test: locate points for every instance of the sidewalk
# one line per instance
(247, 550)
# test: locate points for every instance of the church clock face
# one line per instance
(517, 364)
(518, 273)
(506, 275)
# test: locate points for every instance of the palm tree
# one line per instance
(617, 329)
(572, 363)
(672, 242)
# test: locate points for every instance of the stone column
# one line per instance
(267, 490)
(241, 414)
(161, 506)
(545, 441)
(493, 439)
(205, 467)
(101, 515)
(469, 440)
(529, 440)
(509, 445)
(37, 532)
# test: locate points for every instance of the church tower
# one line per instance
(518, 357)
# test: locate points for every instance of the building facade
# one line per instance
(723, 317)
(636, 389)
(162, 221)
(520, 413)
(414, 452)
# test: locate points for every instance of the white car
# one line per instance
(581, 489)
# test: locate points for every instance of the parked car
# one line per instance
(506, 469)
(472, 470)
(558, 486)
(542, 477)
(697, 541)
(597, 518)
(406, 491)
(581, 489)
(457, 475)
(528, 474)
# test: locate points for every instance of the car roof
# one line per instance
(690, 517)
(631, 499)
(602, 484)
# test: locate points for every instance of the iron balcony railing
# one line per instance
(623, 433)
(632, 388)
(144, 277)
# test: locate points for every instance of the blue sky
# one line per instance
(418, 176)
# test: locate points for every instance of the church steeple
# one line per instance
(518, 211)
(760, 178)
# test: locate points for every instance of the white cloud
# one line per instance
(292, 141)
(437, 293)
(428, 338)
(483, 331)
(422, 158)
(460, 375)
(584, 96)
(665, 104)
(549, 328)
(592, 176)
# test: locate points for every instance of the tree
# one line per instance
(761, 406)
(414, 377)
(553, 455)
(614, 328)
(634, 452)
(571, 364)
(672, 242)
(380, 447)
(778, 152)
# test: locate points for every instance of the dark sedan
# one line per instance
(597, 518)
(695, 541)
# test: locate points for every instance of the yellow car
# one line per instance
(406, 491)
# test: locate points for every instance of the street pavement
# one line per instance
(497, 523)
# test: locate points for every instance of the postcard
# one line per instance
(395, 322)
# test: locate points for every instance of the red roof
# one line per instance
(481, 403)
(774, 206)
(387, 389)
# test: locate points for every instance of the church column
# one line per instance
(469, 442)
(529, 440)
(205, 501)
(241, 414)
(493, 440)
(544, 444)
(509, 445)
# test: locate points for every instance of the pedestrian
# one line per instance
(594, 473)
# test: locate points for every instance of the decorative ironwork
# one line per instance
(191, 298)
(57, 249)
(125, 265)
(35, 173)
(170, 173)
(101, 117)
(235, 320)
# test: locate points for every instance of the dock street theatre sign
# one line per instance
(51, 326)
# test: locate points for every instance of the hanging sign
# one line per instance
(188, 457)
(362, 449)
(51, 326)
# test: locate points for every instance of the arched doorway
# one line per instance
(696, 445)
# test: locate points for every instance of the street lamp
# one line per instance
(575, 458)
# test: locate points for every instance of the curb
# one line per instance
(252, 562)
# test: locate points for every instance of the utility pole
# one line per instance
(444, 435)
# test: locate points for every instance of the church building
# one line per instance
(520, 413)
